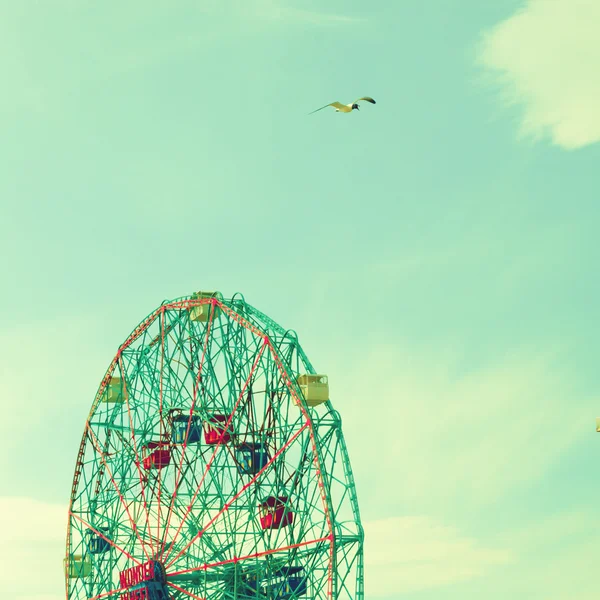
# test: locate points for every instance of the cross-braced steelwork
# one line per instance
(213, 466)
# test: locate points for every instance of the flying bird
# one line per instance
(345, 108)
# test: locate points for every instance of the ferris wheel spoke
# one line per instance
(179, 589)
(255, 555)
(137, 458)
(160, 413)
(218, 445)
(194, 398)
(170, 378)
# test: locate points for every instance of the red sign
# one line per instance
(134, 576)
(139, 594)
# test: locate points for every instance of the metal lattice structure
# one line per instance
(213, 465)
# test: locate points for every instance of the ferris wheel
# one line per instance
(213, 466)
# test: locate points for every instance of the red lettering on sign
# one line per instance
(134, 576)
(139, 594)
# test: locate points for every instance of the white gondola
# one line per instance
(115, 391)
(315, 388)
(201, 312)
(77, 567)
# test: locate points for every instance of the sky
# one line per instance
(435, 253)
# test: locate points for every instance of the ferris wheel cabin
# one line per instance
(251, 458)
(179, 429)
(96, 544)
(314, 388)
(201, 312)
(156, 455)
(215, 430)
(274, 513)
(115, 391)
(77, 567)
(291, 586)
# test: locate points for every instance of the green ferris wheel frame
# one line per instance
(213, 466)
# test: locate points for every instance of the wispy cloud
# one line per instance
(40, 69)
(555, 557)
(546, 58)
(407, 554)
(456, 438)
(282, 10)
(551, 558)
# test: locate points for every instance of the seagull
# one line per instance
(345, 108)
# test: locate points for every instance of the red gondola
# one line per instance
(156, 455)
(274, 514)
(214, 430)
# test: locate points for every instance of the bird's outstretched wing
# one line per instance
(337, 105)
(366, 99)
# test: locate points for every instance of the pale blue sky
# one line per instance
(436, 253)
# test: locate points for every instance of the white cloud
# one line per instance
(551, 559)
(32, 549)
(26, 519)
(407, 554)
(547, 59)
